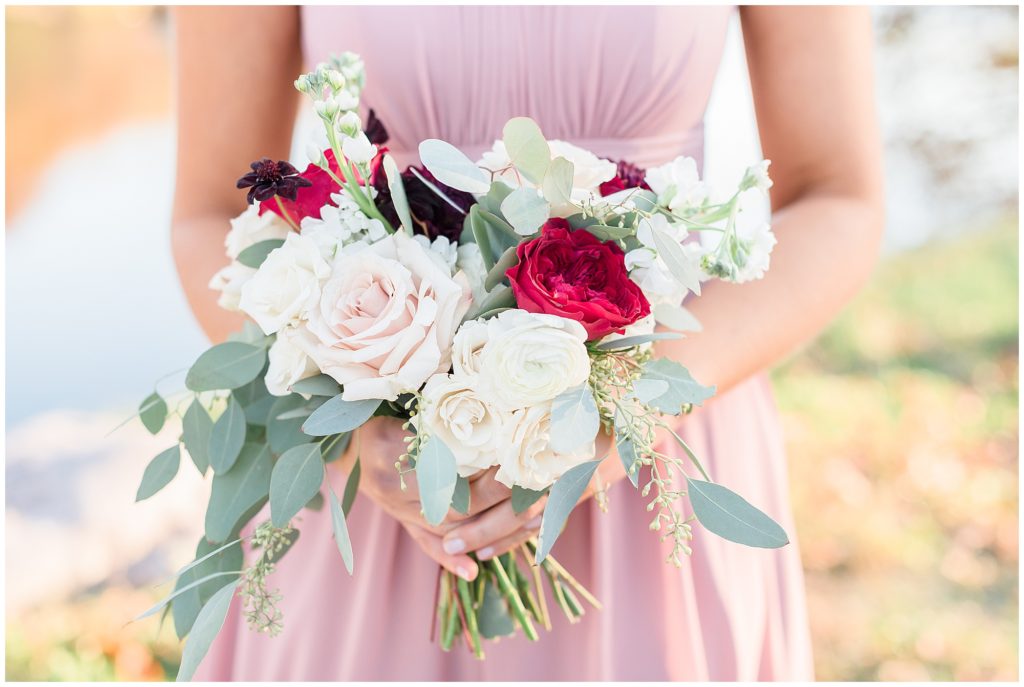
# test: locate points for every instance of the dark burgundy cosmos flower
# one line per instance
(627, 175)
(375, 130)
(268, 179)
(432, 215)
(315, 194)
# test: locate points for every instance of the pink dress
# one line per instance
(628, 83)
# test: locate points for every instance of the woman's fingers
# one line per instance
(460, 564)
(506, 544)
(491, 527)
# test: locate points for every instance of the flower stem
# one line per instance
(470, 617)
(514, 600)
(284, 213)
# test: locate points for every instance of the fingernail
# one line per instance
(485, 552)
(534, 523)
(463, 573)
(454, 546)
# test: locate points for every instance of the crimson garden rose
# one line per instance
(575, 275)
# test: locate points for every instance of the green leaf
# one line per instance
(227, 437)
(226, 366)
(627, 454)
(557, 185)
(682, 388)
(493, 618)
(315, 503)
(204, 631)
(524, 498)
(436, 475)
(174, 595)
(397, 189)
(210, 559)
(675, 259)
(341, 537)
(451, 167)
(525, 210)
(338, 415)
(497, 273)
(297, 476)
(351, 487)
(630, 341)
(495, 195)
(320, 385)
(159, 473)
(730, 516)
(526, 148)
(501, 298)
(235, 492)
(609, 233)
(676, 317)
(284, 434)
(254, 255)
(335, 449)
(460, 499)
(196, 427)
(574, 419)
(153, 412)
(646, 390)
(562, 499)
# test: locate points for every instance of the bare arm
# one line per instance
(235, 103)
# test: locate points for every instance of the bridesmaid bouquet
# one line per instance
(505, 309)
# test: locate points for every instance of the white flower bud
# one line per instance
(302, 84)
(350, 124)
(335, 79)
(358, 149)
(757, 177)
(347, 101)
(314, 153)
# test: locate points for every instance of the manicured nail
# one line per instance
(485, 552)
(452, 546)
(534, 523)
(463, 573)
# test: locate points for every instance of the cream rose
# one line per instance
(229, 281)
(470, 426)
(385, 319)
(466, 348)
(288, 363)
(530, 358)
(286, 285)
(247, 229)
(526, 459)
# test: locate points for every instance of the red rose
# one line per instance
(575, 275)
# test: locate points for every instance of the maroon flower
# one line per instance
(268, 179)
(627, 175)
(575, 275)
(307, 201)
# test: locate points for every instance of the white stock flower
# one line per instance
(286, 285)
(385, 319)
(648, 270)
(747, 255)
(530, 358)
(443, 250)
(288, 363)
(526, 458)
(358, 149)
(757, 177)
(340, 225)
(464, 420)
(250, 227)
(589, 171)
(677, 184)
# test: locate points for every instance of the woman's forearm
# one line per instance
(827, 245)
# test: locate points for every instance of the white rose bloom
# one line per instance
(340, 225)
(286, 285)
(229, 281)
(465, 421)
(677, 183)
(249, 228)
(530, 358)
(467, 345)
(589, 171)
(527, 459)
(358, 149)
(288, 363)
(385, 319)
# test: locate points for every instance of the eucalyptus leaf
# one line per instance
(627, 454)
(452, 168)
(564, 495)
(501, 298)
(254, 255)
(196, 426)
(153, 412)
(351, 487)
(174, 595)
(315, 503)
(296, 477)
(320, 385)
(397, 189)
(460, 499)
(335, 448)
(341, 536)
(159, 473)
(557, 184)
(210, 559)
(676, 317)
(525, 210)
(630, 341)
(234, 493)
(675, 259)
(574, 419)
(527, 148)
(284, 434)
(646, 390)
(524, 498)
(606, 232)
(493, 617)
(436, 475)
(496, 275)
(227, 437)
(226, 366)
(730, 516)
(205, 629)
(338, 415)
(302, 412)
(683, 389)
(495, 195)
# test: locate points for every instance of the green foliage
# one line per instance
(254, 255)
(296, 478)
(153, 412)
(204, 631)
(338, 415)
(561, 500)
(451, 167)
(630, 341)
(682, 390)
(574, 419)
(227, 437)
(436, 476)
(318, 385)
(340, 528)
(524, 498)
(237, 491)
(558, 180)
(731, 517)
(196, 427)
(672, 254)
(460, 498)
(525, 210)
(527, 148)
(283, 434)
(226, 366)
(159, 473)
(351, 487)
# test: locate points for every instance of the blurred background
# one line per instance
(901, 420)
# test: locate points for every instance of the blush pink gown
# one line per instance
(628, 83)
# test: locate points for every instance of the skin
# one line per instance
(810, 70)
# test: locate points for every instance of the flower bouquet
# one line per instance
(504, 309)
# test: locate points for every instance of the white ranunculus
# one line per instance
(677, 184)
(589, 171)
(229, 281)
(288, 363)
(250, 227)
(467, 345)
(385, 319)
(286, 285)
(526, 458)
(464, 420)
(530, 358)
